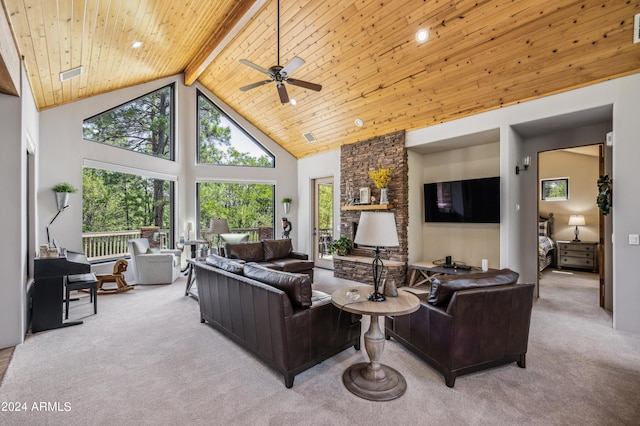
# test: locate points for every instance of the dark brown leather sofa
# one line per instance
(278, 316)
(274, 254)
(468, 323)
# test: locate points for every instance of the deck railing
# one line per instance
(107, 245)
(111, 245)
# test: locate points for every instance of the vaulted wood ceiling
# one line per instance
(481, 55)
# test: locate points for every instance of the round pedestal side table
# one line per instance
(372, 380)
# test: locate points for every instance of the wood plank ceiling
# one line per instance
(481, 55)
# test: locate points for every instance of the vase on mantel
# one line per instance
(384, 196)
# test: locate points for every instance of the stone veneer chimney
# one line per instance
(355, 162)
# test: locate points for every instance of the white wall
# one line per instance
(520, 225)
(464, 242)
(18, 121)
(316, 166)
(64, 151)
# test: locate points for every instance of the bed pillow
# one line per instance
(543, 228)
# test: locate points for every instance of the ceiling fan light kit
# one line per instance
(280, 74)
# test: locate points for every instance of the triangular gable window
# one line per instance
(143, 125)
(222, 141)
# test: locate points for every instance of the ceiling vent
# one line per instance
(636, 28)
(69, 74)
(309, 137)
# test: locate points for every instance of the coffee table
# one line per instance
(372, 380)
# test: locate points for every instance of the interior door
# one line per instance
(602, 240)
(323, 222)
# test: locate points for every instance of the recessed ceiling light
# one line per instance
(422, 35)
(136, 44)
(359, 122)
(293, 102)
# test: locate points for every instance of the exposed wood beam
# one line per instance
(9, 59)
(233, 24)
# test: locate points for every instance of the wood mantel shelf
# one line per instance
(368, 207)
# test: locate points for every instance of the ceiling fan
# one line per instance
(280, 74)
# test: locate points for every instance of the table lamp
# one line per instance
(377, 229)
(219, 226)
(576, 220)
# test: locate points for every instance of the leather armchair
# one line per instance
(161, 267)
(479, 321)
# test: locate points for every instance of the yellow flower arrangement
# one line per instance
(380, 177)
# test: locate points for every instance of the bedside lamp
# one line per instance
(377, 230)
(576, 220)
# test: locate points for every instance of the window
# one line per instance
(143, 125)
(222, 141)
(117, 205)
(246, 206)
(554, 189)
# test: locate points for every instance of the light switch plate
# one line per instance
(634, 239)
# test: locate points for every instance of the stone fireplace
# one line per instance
(355, 162)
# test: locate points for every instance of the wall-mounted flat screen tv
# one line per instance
(470, 201)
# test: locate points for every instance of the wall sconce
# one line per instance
(526, 161)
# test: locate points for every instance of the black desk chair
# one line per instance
(82, 282)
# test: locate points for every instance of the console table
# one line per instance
(421, 272)
(372, 380)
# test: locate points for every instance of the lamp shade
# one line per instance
(576, 220)
(377, 229)
(219, 226)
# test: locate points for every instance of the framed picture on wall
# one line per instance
(556, 189)
(364, 195)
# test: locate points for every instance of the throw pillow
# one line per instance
(276, 249)
(234, 238)
(443, 286)
(153, 250)
(225, 264)
(296, 286)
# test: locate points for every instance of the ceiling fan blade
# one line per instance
(305, 84)
(254, 85)
(255, 67)
(282, 91)
(289, 69)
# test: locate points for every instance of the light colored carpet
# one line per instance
(145, 359)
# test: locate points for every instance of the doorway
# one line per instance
(570, 224)
(323, 212)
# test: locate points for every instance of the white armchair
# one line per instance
(161, 267)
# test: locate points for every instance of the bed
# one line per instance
(546, 244)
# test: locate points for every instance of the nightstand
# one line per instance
(583, 255)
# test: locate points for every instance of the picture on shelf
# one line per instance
(364, 196)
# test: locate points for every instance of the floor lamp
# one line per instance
(377, 229)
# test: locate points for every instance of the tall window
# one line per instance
(116, 206)
(246, 206)
(222, 141)
(143, 125)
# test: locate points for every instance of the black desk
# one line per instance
(48, 289)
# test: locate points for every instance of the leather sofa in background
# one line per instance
(468, 323)
(280, 317)
(273, 254)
